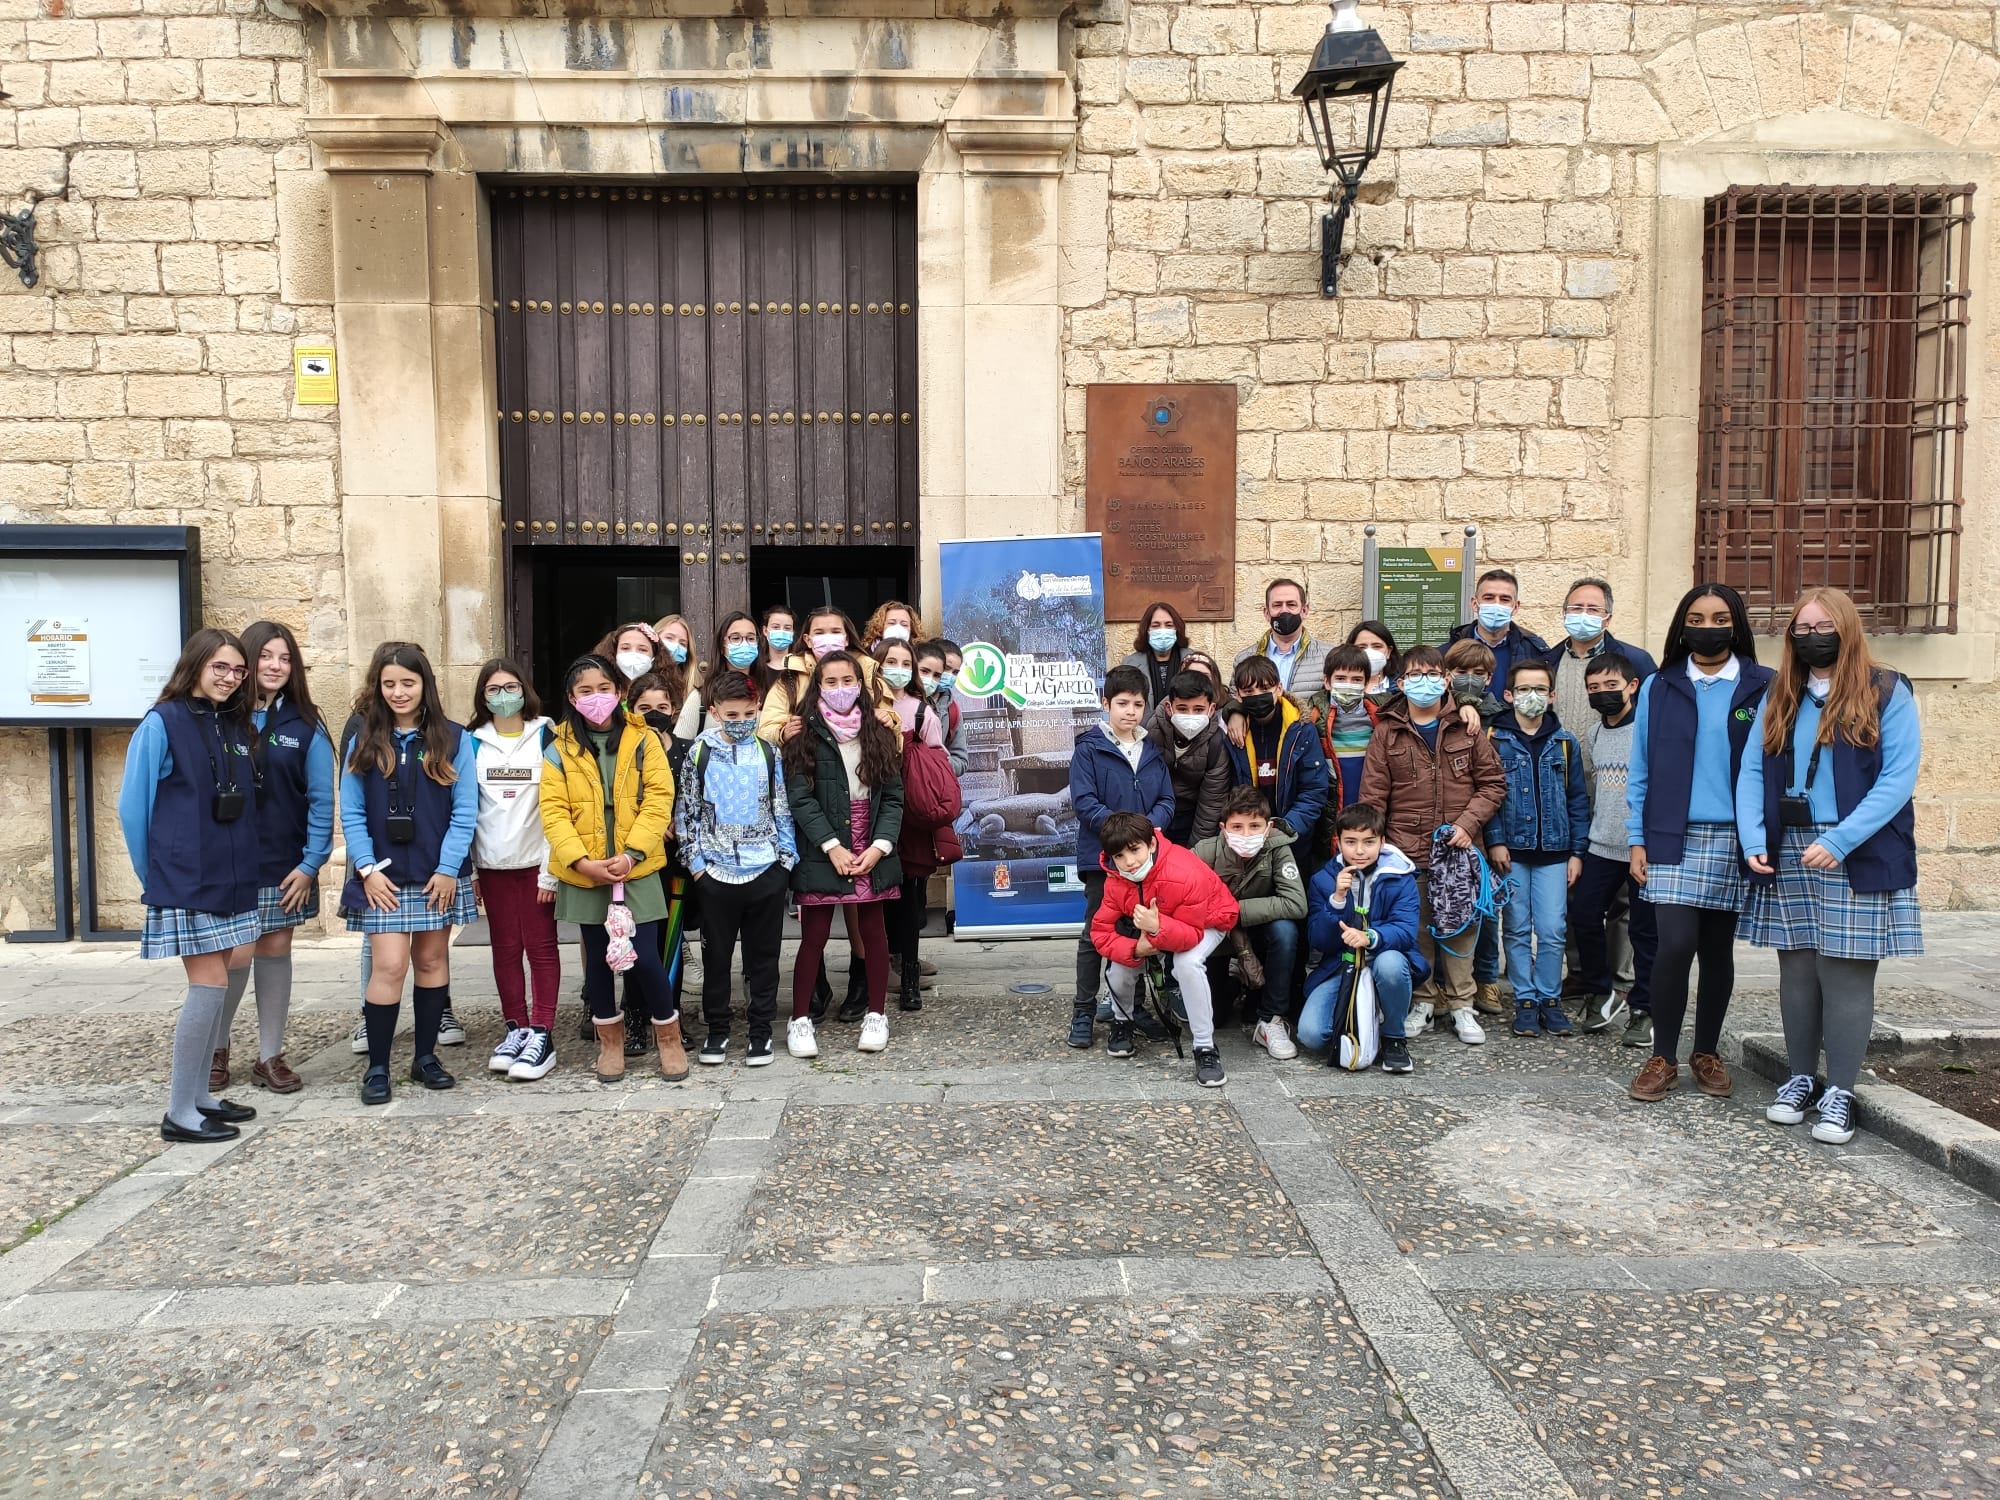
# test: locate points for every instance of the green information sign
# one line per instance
(1419, 592)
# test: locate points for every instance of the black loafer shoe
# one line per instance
(228, 1111)
(431, 1074)
(375, 1087)
(211, 1132)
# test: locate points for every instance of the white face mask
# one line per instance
(635, 664)
(1378, 660)
(1246, 845)
(895, 632)
(1135, 876)
(1187, 726)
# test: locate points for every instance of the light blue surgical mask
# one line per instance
(780, 638)
(946, 682)
(1162, 641)
(1584, 627)
(676, 650)
(742, 654)
(1423, 691)
(897, 677)
(738, 731)
(1495, 616)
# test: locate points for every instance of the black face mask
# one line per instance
(1708, 640)
(1260, 706)
(1609, 703)
(660, 719)
(1817, 651)
(1286, 622)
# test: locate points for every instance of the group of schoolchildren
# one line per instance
(1424, 808)
(813, 769)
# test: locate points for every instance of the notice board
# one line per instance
(1160, 488)
(1421, 593)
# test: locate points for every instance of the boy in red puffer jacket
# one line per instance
(1164, 900)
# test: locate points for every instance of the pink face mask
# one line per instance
(597, 708)
(823, 645)
(839, 699)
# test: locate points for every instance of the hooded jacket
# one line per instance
(509, 833)
(1301, 791)
(1202, 773)
(1420, 790)
(1191, 899)
(1268, 887)
(1388, 892)
(1102, 781)
(572, 802)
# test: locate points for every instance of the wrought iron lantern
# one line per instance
(1351, 65)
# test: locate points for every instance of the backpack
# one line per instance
(699, 760)
(1462, 890)
(931, 796)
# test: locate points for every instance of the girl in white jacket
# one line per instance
(510, 857)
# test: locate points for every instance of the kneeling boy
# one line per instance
(1365, 902)
(1158, 898)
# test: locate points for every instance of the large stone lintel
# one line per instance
(1011, 145)
(883, 10)
(376, 143)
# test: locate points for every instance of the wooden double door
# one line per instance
(691, 374)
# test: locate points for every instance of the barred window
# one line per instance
(1833, 398)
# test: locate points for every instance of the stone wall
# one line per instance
(147, 379)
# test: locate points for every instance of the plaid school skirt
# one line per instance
(1818, 909)
(413, 912)
(173, 932)
(271, 913)
(1710, 873)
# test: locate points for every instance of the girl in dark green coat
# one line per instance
(843, 777)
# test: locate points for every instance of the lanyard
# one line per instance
(401, 770)
(214, 724)
(1792, 755)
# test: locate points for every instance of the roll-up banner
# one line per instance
(1029, 613)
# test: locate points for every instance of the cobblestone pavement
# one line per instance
(978, 1264)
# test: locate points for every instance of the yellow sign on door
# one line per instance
(314, 382)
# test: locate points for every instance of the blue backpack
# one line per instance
(1463, 891)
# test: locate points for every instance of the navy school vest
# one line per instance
(193, 862)
(1672, 724)
(415, 793)
(1887, 859)
(282, 792)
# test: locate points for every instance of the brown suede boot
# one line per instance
(673, 1056)
(610, 1049)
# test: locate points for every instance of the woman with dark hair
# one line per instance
(738, 648)
(1157, 649)
(779, 628)
(1385, 661)
(1693, 722)
(188, 808)
(843, 778)
(607, 802)
(294, 759)
(510, 858)
(1830, 837)
(409, 807)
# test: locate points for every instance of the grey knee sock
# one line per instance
(1799, 1005)
(1847, 990)
(239, 980)
(274, 1003)
(194, 1038)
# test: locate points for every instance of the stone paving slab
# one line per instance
(1764, 1395)
(1178, 1397)
(413, 1200)
(112, 1056)
(410, 1412)
(932, 1183)
(1590, 1176)
(46, 1172)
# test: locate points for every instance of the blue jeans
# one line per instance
(1537, 920)
(1276, 945)
(1391, 971)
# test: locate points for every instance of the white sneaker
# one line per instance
(1419, 1019)
(874, 1032)
(1274, 1039)
(358, 1043)
(1794, 1095)
(509, 1050)
(1469, 1031)
(450, 1033)
(799, 1038)
(538, 1055)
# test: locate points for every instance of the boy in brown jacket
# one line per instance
(1425, 769)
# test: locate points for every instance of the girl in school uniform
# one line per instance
(510, 856)
(188, 807)
(843, 778)
(1688, 739)
(607, 802)
(409, 807)
(294, 760)
(1829, 832)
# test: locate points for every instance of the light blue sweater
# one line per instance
(464, 811)
(1711, 799)
(1902, 750)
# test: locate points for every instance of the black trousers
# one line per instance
(905, 918)
(1089, 962)
(1590, 902)
(754, 912)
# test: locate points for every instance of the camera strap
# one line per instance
(215, 770)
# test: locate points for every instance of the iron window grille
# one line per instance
(1833, 398)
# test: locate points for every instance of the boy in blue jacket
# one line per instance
(1537, 841)
(1364, 902)
(1116, 768)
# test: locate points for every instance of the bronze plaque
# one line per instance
(1160, 485)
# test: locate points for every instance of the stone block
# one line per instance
(1235, 79)
(143, 219)
(1556, 454)
(1186, 127)
(1247, 125)
(1447, 28)
(305, 240)
(174, 396)
(1201, 273)
(169, 485)
(1438, 226)
(1776, 64)
(263, 36)
(1546, 122)
(60, 128)
(1514, 403)
(1478, 124)
(1438, 173)
(1131, 177)
(1546, 356)
(93, 82)
(42, 442)
(1210, 30)
(1366, 407)
(1213, 176)
(1823, 51)
(1468, 275)
(1493, 454)
(1279, 362)
(1108, 324)
(1151, 224)
(249, 353)
(181, 173)
(1528, 275)
(1567, 319)
(202, 36)
(191, 123)
(1158, 80)
(242, 172)
(1582, 226)
(54, 38)
(1527, 28)
(1585, 402)
(1507, 226)
(1109, 130)
(1515, 316)
(27, 84)
(1432, 404)
(54, 351)
(1967, 84)
(1132, 271)
(1567, 77)
(302, 482)
(1494, 75)
(1412, 276)
(1436, 77)
(1099, 80)
(248, 270)
(1449, 318)
(1231, 323)
(251, 220)
(197, 439)
(173, 80)
(1919, 66)
(126, 439)
(1225, 224)
(1147, 29)
(113, 124)
(190, 269)
(1215, 363)
(1476, 356)
(1425, 456)
(103, 486)
(148, 353)
(1275, 408)
(28, 396)
(1597, 28)
(1724, 56)
(132, 36)
(1623, 112)
(1371, 321)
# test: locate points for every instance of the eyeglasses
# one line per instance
(1587, 609)
(224, 670)
(1825, 627)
